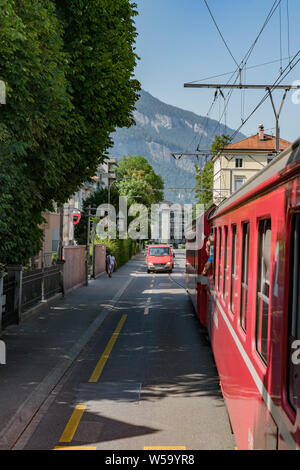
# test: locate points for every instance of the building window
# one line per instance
(244, 276)
(293, 314)
(238, 182)
(55, 239)
(263, 288)
(239, 163)
(233, 266)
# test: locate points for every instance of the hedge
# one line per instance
(123, 250)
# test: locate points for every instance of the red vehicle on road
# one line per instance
(251, 304)
(159, 258)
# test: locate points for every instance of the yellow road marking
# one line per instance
(99, 367)
(165, 448)
(72, 425)
(74, 448)
(150, 291)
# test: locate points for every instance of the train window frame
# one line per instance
(215, 233)
(233, 273)
(225, 260)
(219, 257)
(262, 310)
(244, 275)
(293, 323)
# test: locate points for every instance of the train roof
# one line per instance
(257, 182)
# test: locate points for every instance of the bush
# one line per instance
(123, 250)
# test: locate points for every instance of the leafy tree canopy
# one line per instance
(204, 176)
(136, 176)
(68, 70)
(98, 37)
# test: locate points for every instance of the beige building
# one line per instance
(241, 160)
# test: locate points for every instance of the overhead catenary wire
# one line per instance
(281, 77)
(238, 71)
(226, 45)
(280, 37)
(245, 68)
(288, 25)
(246, 57)
(249, 52)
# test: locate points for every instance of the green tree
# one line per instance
(205, 175)
(136, 176)
(220, 142)
(99, 37)
(68, 69)
(33, 123)
(122, 249)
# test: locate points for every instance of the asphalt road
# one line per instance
(147, 378)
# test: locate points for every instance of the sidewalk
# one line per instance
(40, 350)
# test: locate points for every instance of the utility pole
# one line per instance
(93, 247)
(88, 246)
(268, 88)
(61, 232)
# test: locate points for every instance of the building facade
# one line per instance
(239, 161)
(169, 225)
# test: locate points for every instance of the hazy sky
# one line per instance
(178, 43)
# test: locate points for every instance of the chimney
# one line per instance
(261, 134)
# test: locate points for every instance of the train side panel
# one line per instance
(252, 384)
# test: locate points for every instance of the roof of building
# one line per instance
(283, 160)
(268, 143)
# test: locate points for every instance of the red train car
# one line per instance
(196, 258)
(252, 303)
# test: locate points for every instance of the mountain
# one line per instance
(161, 130)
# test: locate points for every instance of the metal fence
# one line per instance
(39, 285)
(52, 281)
(22, 288)
(32, 288)
(8, 303)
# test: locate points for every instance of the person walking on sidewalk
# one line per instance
(111, 262)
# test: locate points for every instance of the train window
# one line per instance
(215, 253)
(220, 257)
(294, 311)
(225, 260)
(263, 287)
(244, 277)
(233, 267)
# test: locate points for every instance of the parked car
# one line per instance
(159, 258)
